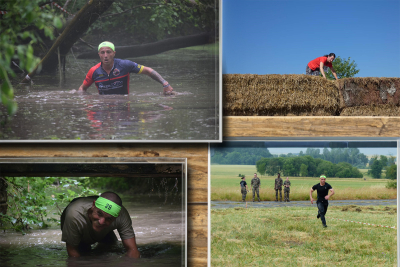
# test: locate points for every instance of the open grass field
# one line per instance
(293, 236)
(225, 185)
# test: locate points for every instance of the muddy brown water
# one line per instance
(160, 235)
(48, 110)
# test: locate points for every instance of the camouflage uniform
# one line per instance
(286, 190)
(255, 184)
(278, 187)
(243, 190)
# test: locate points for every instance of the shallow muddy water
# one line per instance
(48, 110)
(160, 235)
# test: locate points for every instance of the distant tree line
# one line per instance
(336, 155)
(306, 166)
(249, 156)
(335, 162)
(239, 155)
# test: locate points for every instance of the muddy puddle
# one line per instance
(53, 110)
(160, 236)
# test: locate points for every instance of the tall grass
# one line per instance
(291, 236)
(225, 186)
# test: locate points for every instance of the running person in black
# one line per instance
(323, 189)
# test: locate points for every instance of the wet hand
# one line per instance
(133, 253)
(168, 90)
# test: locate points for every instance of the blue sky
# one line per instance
(282, 36)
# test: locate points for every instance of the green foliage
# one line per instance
(17, 40)
(343, 67)
(306, 166)
(384, 160)
(376, 168)
(33, 200)
(336, 155)
(303, 170)
(239, 155)
(391, 185)
(391, 172)
(160, 186)
(158, 19)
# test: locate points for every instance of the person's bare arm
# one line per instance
(157, 77)
(321, 68)
(334, 73)
(330, 194)
(83, 88)
(312, 190)
(131, 248)
(72, 251)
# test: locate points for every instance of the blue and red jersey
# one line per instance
(117, 82)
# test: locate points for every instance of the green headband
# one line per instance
(108, 206)
(108, 44)
(322, 176)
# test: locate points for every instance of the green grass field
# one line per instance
(293, 236)
(225, 185)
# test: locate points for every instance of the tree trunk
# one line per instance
(154, 48)
(77, 27)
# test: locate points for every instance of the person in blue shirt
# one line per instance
(111, 75)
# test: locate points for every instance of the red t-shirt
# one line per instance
(314, 64)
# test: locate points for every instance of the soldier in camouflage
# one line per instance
(278, 187)
(286, 189)
(255, 184)
(243, 188)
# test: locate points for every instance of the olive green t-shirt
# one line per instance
(77, 227)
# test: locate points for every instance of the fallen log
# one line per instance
(154, 48)
(74, 30)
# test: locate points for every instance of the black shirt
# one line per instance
(243, 183)
(322, 191)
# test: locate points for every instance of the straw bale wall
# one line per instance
(305, 95)
(369, 91)
(269, 95)
(372, 110)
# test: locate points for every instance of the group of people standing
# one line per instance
(324, 192)
(256, 184)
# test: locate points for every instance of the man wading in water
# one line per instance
(111, 75)
(87, 220)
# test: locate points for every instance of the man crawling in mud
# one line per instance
(87, 220)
